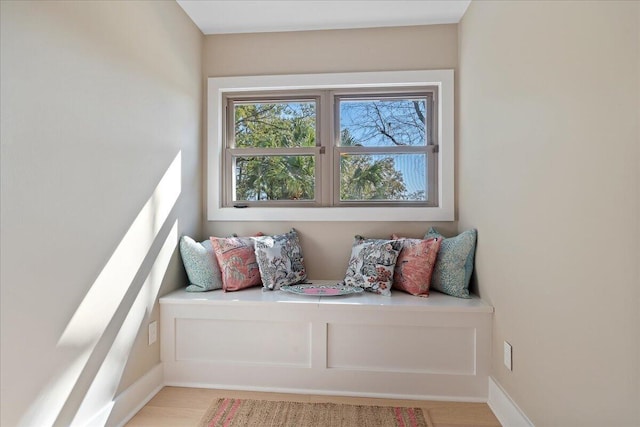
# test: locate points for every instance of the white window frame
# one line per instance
(218, 86)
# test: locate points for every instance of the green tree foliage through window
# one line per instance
(275, 178)
(275, 125)
(366, 177)
(291, 125)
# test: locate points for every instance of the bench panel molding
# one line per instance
(243, 342)
(360, 345)
(401, 348)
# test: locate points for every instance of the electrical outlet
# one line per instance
(153, 332)
(507, 356)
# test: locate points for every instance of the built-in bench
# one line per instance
(361, 345)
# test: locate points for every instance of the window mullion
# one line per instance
(297, 151)
(387, 150)
(327, 143)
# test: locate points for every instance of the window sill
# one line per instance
(331, 214)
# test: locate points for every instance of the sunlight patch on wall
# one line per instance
(104, 386)
(97, 310)
(101, 302)
(45, 408)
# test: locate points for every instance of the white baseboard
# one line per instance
(325, 392)
(504, 408)
(130, 401)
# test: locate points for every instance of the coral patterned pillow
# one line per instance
(237, 261)
(415, 265)
(371, 264)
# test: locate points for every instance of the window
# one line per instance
(385, 150)
(271, 154)
(360, 146)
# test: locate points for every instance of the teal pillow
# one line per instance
(201, 265)
(454, 264)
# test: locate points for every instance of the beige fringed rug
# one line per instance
(263, 413)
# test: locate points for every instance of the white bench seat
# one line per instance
(361, 345)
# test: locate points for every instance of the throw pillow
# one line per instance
(415, 263)
(371, 264)
(201, 266)
(280, 260)
(454, 264)
(237, 262)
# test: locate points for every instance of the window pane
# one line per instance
(383, 122)
(274, 178)
(280, 124)
(391, 177)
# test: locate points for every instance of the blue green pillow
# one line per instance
(201, 265)
(454, 265)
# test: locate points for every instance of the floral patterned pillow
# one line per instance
(371, 264)
(237, 262)
(280, 260)
(415, 264)
(454, 265)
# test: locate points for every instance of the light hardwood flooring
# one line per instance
(183, 407)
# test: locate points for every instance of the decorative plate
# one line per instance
(322, 290)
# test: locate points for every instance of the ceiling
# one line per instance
(255, 16)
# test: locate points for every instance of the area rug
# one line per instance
(263, 413)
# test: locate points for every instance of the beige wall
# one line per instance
(98, 99)
(327, 244)
(549, 174)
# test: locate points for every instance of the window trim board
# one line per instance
(218, 86)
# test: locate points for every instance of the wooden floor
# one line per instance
(183, 407)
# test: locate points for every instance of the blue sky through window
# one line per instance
(389, 123)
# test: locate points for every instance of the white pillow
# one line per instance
(280, 260)
(372, 263)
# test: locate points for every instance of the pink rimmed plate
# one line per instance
(321, 290)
